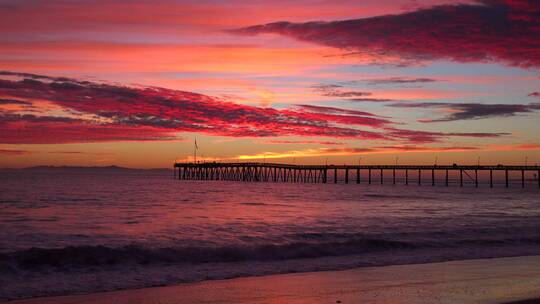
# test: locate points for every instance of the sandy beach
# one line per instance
(501, 280)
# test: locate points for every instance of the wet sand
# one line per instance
(501, 280)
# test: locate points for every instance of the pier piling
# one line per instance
(406, 177)
(272, 172)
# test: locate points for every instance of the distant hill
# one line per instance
(93, 169)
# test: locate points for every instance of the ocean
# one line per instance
(68, 231)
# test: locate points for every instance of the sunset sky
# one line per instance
(134, 83)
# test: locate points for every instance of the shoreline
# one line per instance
(29, 284)
(513, 280)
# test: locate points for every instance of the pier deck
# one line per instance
(274, 172)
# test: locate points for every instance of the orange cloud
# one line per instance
(352, 151)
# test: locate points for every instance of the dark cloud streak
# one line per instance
(12, 152)
(504, 31)
(398, 80)
(468, 111)
(334, 90)
(370, 99)
(14, 102)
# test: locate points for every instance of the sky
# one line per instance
(135, 83)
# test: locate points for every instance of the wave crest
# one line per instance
(101, 255)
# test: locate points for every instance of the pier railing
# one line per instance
(274, 172)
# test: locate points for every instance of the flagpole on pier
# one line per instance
(195, 148)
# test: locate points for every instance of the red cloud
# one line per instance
(492, 30)
(326, 143)
(105, 112)
(30, 129)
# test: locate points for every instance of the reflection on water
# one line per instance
(138, 223)
(44, 210)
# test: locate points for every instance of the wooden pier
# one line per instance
(273, 172)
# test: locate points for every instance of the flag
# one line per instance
(196, 147)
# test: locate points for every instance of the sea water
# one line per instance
(72, 231)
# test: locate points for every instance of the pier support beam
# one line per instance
(358, 176)
(346, 175)
(335, 176)
(433, 177)
(446, 178)
(394, 176)
(419, 177)
(461, 177)
(522, 178)
(476, 178)
(369, 176)
(406, 177)
(381, 176)
(506, 177)
(491, 178)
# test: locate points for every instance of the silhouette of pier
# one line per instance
(406, 174)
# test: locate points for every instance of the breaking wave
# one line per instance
(35, 258)
(83, 256)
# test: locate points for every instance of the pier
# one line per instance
(462, 175)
